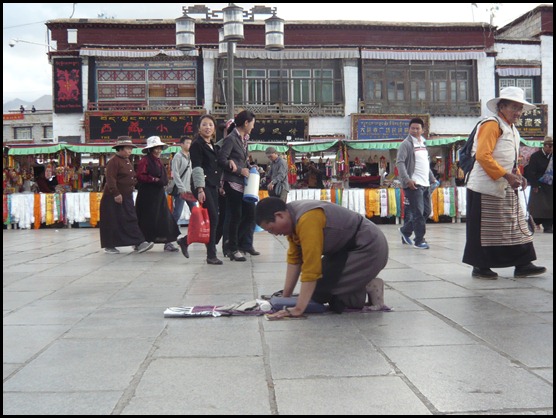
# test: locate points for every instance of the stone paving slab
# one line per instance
(84, 333)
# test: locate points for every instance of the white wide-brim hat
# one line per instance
(154, 141)
(515, 94)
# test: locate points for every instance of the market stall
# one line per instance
(357, 174)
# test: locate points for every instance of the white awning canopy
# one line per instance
(136, 53)
(288, 54)
(424, 55)
(518, 71)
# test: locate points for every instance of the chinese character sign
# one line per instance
(276, 128)
(533, 122)
(384, 127)
(102, 126)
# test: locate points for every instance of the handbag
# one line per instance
(276, 190)
(172, 187)
(199, 226)
(548, 175)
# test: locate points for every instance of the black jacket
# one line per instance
(205, 157)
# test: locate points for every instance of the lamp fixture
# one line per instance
(229, 34)
(13, 42)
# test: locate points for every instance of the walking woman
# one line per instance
(206, 180)
(155, 219)
(233, 159)
(118, 219)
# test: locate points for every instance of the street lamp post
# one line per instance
(13, 43)
(229, 35)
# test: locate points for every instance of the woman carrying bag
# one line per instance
(206, 180)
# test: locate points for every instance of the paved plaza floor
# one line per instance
(84, 333)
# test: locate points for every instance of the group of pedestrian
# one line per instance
(335, 253)
(204, 172)
(496, 224)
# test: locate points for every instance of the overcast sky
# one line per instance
(27, 75)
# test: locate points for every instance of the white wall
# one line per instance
(547, 57)
(332, 125)
(208, 77)
(521, 53)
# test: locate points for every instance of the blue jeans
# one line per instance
(178, 207)
(417, 213)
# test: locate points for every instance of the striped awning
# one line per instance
(288, 54)
(518, 71)
(135, 53)
(424, 55)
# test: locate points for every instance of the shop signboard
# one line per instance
(276, 128)
(139, 125)
(533, 123)
(13, 116)
(384, 127)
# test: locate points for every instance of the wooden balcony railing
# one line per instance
(422, 107)
(287, 109)
(140, 105)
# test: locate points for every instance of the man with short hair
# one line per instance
(278, 175)
(181, 173)
(413, 164)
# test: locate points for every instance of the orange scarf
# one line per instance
(94, 207)
(37, 210)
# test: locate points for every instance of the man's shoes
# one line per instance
(421, 246)
(484, 273)
(237, 256)
(405, 239)
(110, 250)
(144, 246)
(214, 261)
(528, 270)
(251, 251)
(548, 230)
(182, 242)
(169, 247)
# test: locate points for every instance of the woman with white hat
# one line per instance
(155, 219)
(497, 230)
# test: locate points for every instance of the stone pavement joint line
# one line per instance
(84, 333)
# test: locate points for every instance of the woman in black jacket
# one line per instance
(206, 180)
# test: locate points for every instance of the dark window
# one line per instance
(23, 133)
(289, 86)
(435, 87)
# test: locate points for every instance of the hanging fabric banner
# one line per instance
(67, 81)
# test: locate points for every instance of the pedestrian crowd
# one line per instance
(334, 254)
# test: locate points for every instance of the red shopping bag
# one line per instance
(199, 226)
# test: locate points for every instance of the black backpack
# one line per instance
(465, 155)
